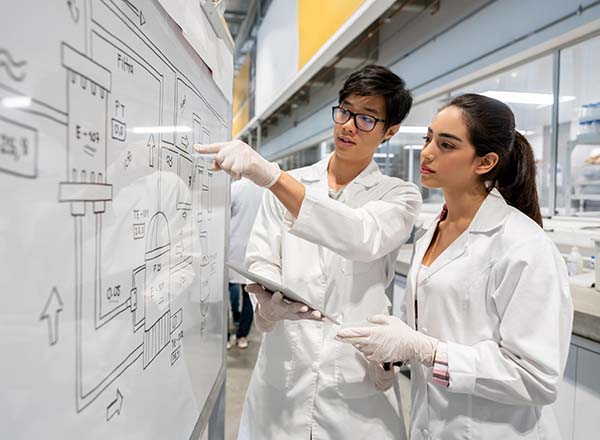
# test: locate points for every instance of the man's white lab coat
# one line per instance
(340, 255)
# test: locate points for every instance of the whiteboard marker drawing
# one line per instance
(136, 264)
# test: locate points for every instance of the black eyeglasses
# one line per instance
(363, 122)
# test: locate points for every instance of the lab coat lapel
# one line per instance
(316, 177)
(357, 193)
(490, 216)
(457, 249)
(420, 248)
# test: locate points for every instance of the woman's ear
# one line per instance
(485, 164)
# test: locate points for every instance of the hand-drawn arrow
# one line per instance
(136, 11)
(151, 146)
(115, 406)
(53, 307)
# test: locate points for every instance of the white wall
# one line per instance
(277, 52)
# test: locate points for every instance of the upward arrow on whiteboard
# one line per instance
(53, 307)
(151, 144)
(136, 11)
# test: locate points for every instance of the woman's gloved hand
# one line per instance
(238, 160)
(273, 308)
(382, 379)
(391, 340)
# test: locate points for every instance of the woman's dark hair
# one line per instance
(374, 80)
(491, 126)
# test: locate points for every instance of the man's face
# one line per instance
(356, 145)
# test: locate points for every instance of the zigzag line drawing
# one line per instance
(8, 63)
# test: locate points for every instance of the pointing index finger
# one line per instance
(208, 148)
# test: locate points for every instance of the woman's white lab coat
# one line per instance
(340, 255)
(499, 296)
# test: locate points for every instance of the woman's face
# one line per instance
(448, 159)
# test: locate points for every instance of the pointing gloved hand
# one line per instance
(382, 379)
(239, 160)
(274, 307)
(391, 340)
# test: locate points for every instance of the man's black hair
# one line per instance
(375, 80)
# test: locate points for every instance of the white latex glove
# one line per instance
(238, 159)
(383, 380)
(273, 307)
(390, 341)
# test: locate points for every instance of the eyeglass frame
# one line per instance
(353, 116)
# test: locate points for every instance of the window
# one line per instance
(527, 90)
(302, 158)
(578, 156)
(401, 156)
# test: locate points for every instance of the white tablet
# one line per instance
(273, 286)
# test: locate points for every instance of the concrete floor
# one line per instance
(240, 364)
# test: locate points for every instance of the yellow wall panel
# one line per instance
(241, 85)
(241, 94)
(240, 119)
(318, 20)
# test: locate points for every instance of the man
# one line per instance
(245, 201)
(331, 232)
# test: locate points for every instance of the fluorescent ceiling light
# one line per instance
(412, 129)
(16, 102)
(161, 129)
(526, 132)
(383, 155)
(525, 97)
(413, 147)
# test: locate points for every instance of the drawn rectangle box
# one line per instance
(86, 67)
(176, 354)
(84, 192)
(18, 148)
(184, 195)
(139, 230)
(119, 130)
(176, 320)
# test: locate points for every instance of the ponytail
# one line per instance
(491, 125)
(516, 179)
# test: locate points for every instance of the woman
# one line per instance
(488, 311)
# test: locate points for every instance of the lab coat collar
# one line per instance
(491, 215)
(317, 171)
(368, 177)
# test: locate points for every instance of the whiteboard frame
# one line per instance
(212, 413)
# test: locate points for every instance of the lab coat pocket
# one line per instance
(352, 380)
(277, 357)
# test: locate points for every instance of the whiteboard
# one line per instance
(112, 233)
